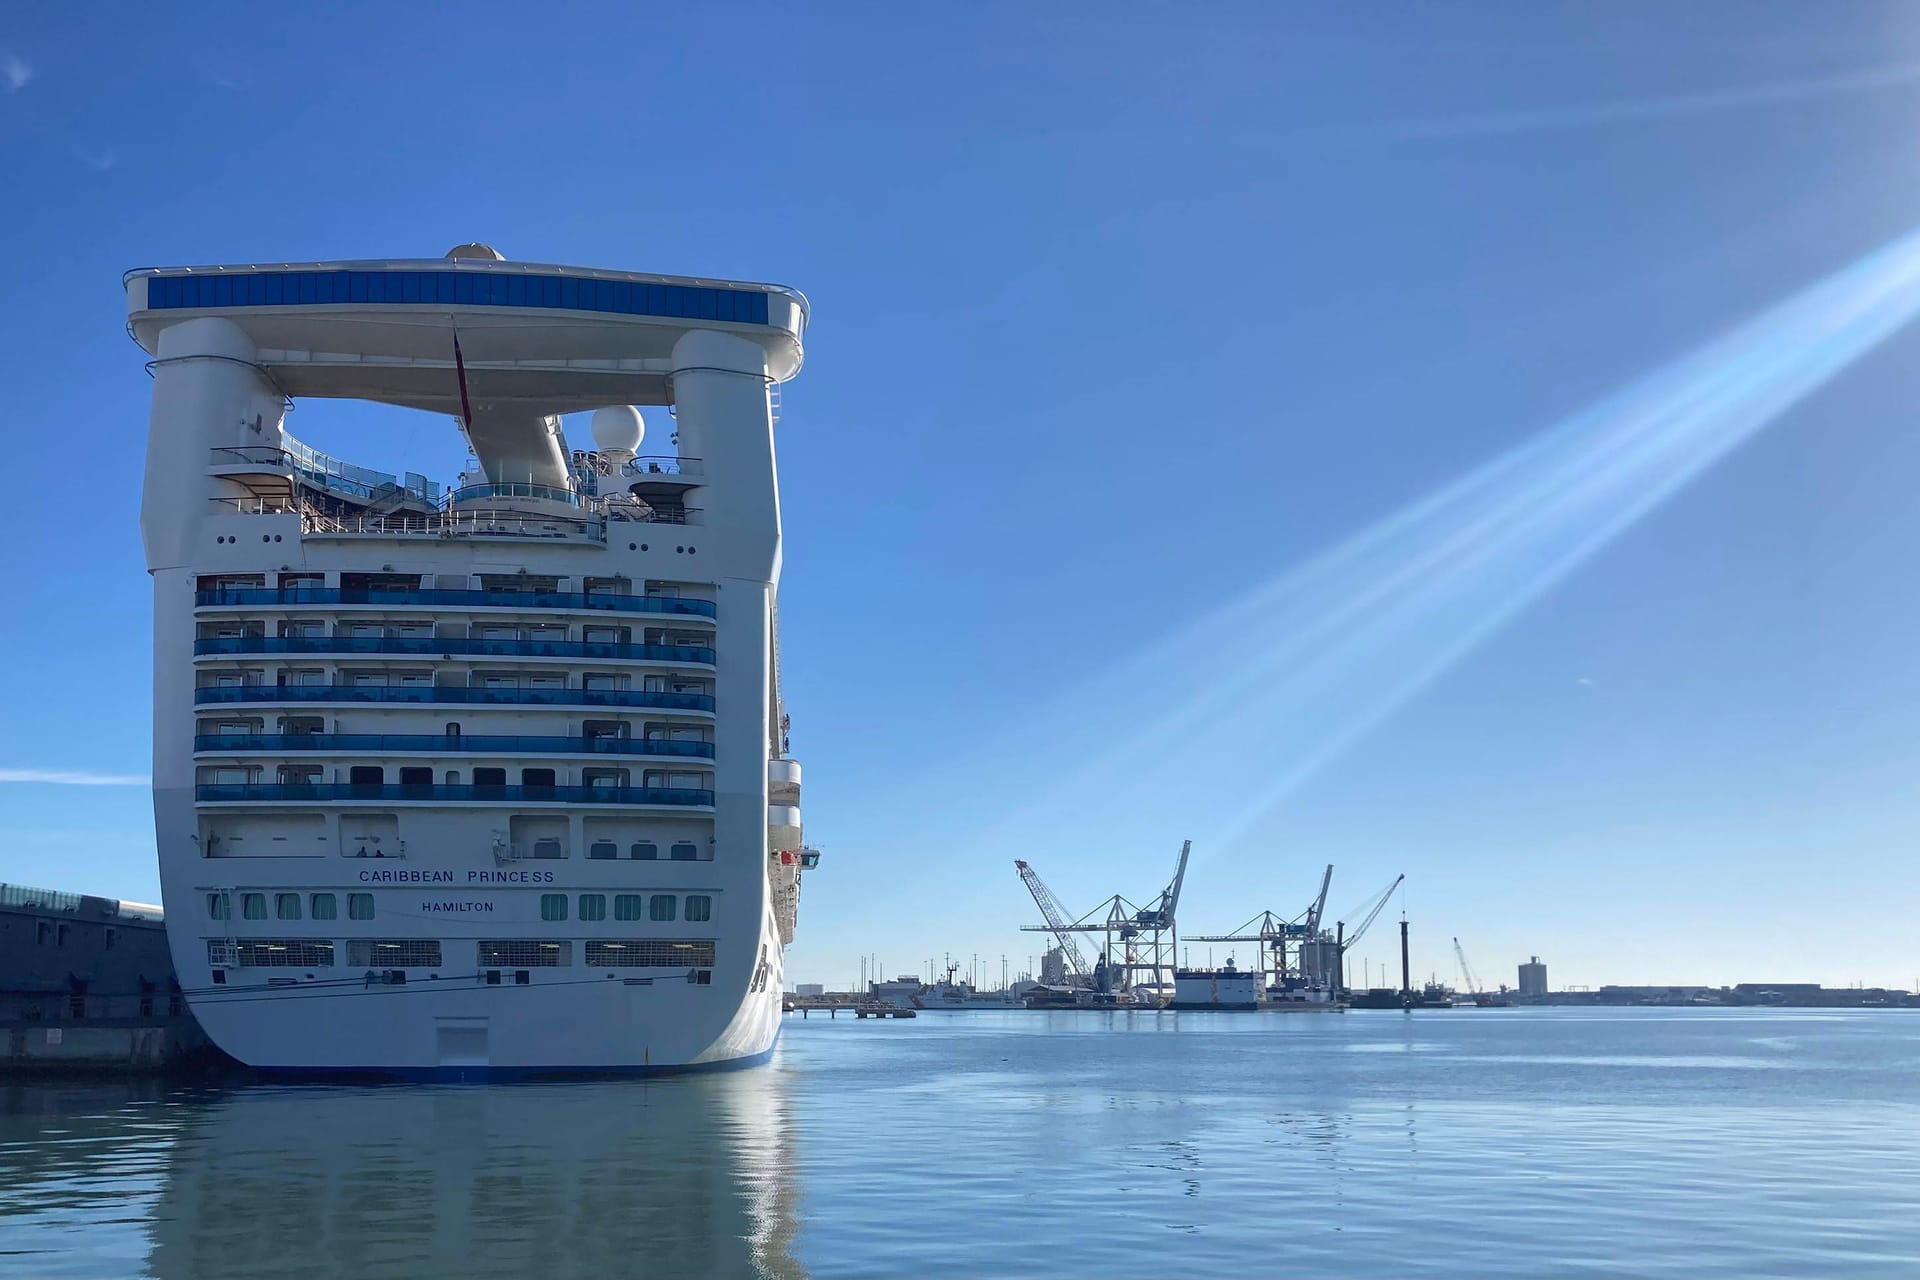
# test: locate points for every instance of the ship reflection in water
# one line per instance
(677, 1177)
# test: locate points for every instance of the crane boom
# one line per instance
(1374, 912)
(1466, 970)
(1319, 903)
(1179, 876)
(1056, 921)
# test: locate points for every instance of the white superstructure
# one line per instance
(491, 779)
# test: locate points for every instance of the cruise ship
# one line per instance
(486, 779)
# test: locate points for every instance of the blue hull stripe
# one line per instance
(502, 1075)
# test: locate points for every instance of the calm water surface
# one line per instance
(1471, 1142)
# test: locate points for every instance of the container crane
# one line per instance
(1136, 940)
(1056, 920)
(1274, 934)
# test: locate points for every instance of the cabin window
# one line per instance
(699, 908)
(603, 850)
(324, 907)
(359, 906)
(219, 907)
(627, 906)
(286, 906)
(553, 906)
(489, 776)
(684, 852)
(644, 851)
(253, 906)
(416, 775)
(593, 906)
(660, 906)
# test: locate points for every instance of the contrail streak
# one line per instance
(1626, 110)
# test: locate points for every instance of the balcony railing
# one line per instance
(464, 645)
(437, 743)
(465, 599)
(215, 792)
(660, 464)
(492, 492)
(427, 693)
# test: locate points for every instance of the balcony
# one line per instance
(240, 792)
(454, 646)
(459, 599)
(438, 743)
(428, 694)
(319, 471)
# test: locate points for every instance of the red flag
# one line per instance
(460, 366)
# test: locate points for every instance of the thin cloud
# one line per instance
(75, 778)
(98, 159)
(15, 73)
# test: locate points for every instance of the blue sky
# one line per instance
(1125, 320)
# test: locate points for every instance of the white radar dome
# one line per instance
(618, 429)
(474, 249)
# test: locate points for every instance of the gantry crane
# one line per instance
(1139, 943)
(1274, 935)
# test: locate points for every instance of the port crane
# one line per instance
(1345, 941)
(1274, 934)
(1477, 993)
(1467, 974)
(1139, 942)
(1056, 920)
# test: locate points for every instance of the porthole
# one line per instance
(633, 546)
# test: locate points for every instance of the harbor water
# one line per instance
(1495, 1142)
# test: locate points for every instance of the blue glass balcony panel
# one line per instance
(492, 744)
(228, 791)
(427, 694)
(455, 645)
(457, 598)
